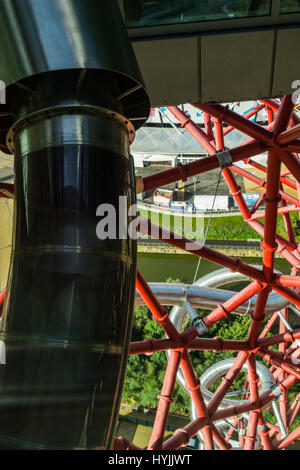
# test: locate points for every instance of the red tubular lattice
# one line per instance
(279, 139)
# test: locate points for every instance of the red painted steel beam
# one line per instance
(192, 384)
(239, 122)
(258, 316)
(264, 433)
(278, 363)
(2, 297)
(279, 338)
(208, 127)
(182, 436)
(264, 400)
(248, 115)
(250, 438)
(272, 104)
(222, 311)
(262, 183)
(286, 219)
(121, 443)
(282, 211)
(226, 383)
(283, 178)
(288, 440)
(290, 161)
(6, 190)
(198, 167)
(235, 264)
(289, 135)
(188, 124)
(294, 410)
(160, 314)
(165, 400)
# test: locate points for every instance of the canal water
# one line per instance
(157, 267)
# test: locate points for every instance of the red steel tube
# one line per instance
(264, 433)
(290, 161)
(294, 410)
(208, 126)
(248, 115)
(250, 438)
(220, 440)
(193, 386)
(193, 129)
(258, 316)
(154, 306)
(281, 211)
(2, 297)
(276, 339)
(236, 120)
(121, 443)
(7, 190)
(289, 135)
(288, 440)
(227, 381)
(231, 304)
(283, 178)
(278, 363)
(146, 228)
(287, 219)
(199, 166)
(165, 400)
(182, 436)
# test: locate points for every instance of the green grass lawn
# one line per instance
(220, 228)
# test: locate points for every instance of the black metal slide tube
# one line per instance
(73, 89)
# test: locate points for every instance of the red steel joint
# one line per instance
(186, 121)
(254, 381)
(281, 248)
(238, 262)
(262, 183)
(239, 190)
(273, 201)
(150, 342)
(220, 342)
(165, 398)
(268, 248)
(224, 310)
(186, 436)
(192, 389)
(160, 320)
(181, 169)
(229, 381)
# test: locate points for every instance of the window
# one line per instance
(289, 6)
(141, 13)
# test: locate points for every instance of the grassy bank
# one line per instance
(220, 228)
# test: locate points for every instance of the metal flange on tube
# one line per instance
(74, 90)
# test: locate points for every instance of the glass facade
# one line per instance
(142, 13)
(289, 6)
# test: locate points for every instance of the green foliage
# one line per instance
(221, 228)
